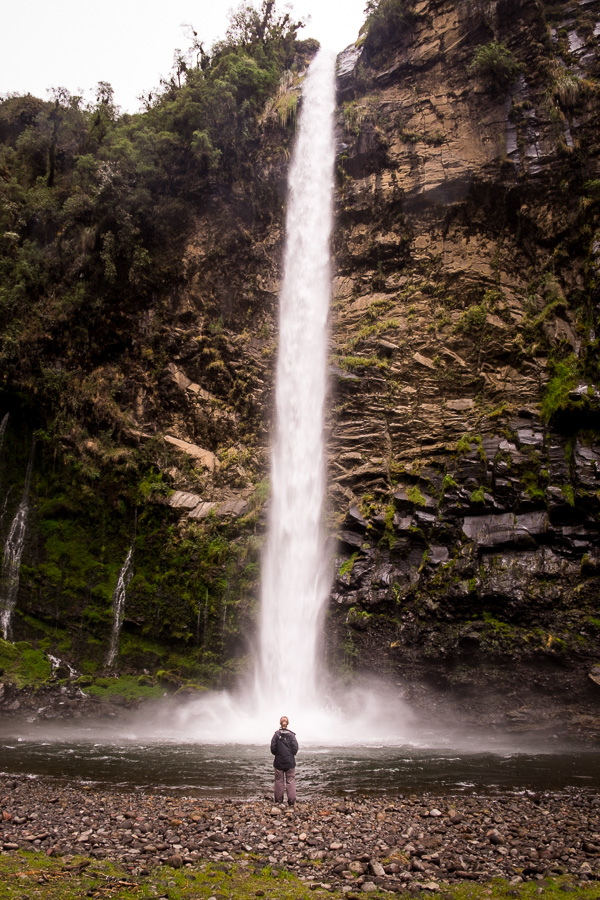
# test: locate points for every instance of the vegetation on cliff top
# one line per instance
(96, 208)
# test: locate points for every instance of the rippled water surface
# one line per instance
(227, 770)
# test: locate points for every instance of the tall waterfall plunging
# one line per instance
(295, 578)
(288, 677)
(13, 550)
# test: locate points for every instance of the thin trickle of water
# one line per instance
(57, 663)
(118, 604)
(3, 425)
(295, 580)
(13, 551)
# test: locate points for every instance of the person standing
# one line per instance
(284, 747)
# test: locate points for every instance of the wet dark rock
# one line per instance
(506, 529)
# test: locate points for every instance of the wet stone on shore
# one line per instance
(355, 845)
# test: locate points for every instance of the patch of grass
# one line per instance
(362, 362)
(130, 687)
(346, 567)
(473, 319)
(495, 65)
(389, 536)
(415, 496)
(23, 664)
(568, 493)
(467, 441)
(373, 330)
(447, 484)
(32, 875)
(27, 875)
(564, 379)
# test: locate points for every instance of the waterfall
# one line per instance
(118, 605)
(3, 425)
(13, 550)
(295, 581)
(295, 575)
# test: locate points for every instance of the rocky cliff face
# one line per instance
(463, 436)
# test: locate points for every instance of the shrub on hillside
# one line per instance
(495, 65)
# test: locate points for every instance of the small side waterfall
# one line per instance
(13, 551)
(295, 580)
(3, 425)
(118, 605)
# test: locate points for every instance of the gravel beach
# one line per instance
(396, 843)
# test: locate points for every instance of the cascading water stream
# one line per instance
(295, 580)
(118, 604)
(3, 425)
(13, 551)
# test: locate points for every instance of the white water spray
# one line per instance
(13, 551)
(295, 579)
(118, 604)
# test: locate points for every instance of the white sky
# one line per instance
(130, 43)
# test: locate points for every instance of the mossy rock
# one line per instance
(24, 665)
(125, 687)
(190, 690)
(169, 680)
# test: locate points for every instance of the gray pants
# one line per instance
(290, 782)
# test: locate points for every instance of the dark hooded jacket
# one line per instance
(284, 747)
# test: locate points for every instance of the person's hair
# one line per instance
(284, 719)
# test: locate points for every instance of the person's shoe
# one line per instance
(291, 802)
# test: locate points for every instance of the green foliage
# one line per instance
(348, 565)
(568, 493)
(21, 663)
(358, 618)
(563, 380)
(447, 483)
(22, 872)
(415, 496)
(386, 21)
(473, 319)
(531, 480)
(354, 114)
(569, 89)
(389, 534)
(286, 108)
(362, 362)
(478, 495)
(466, 442)
(495, 65)
(372, 330)
(129, 687)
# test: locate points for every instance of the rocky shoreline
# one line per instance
(398, 843)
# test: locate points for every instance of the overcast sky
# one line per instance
(130, 43)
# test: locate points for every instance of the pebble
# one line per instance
(355, 845)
